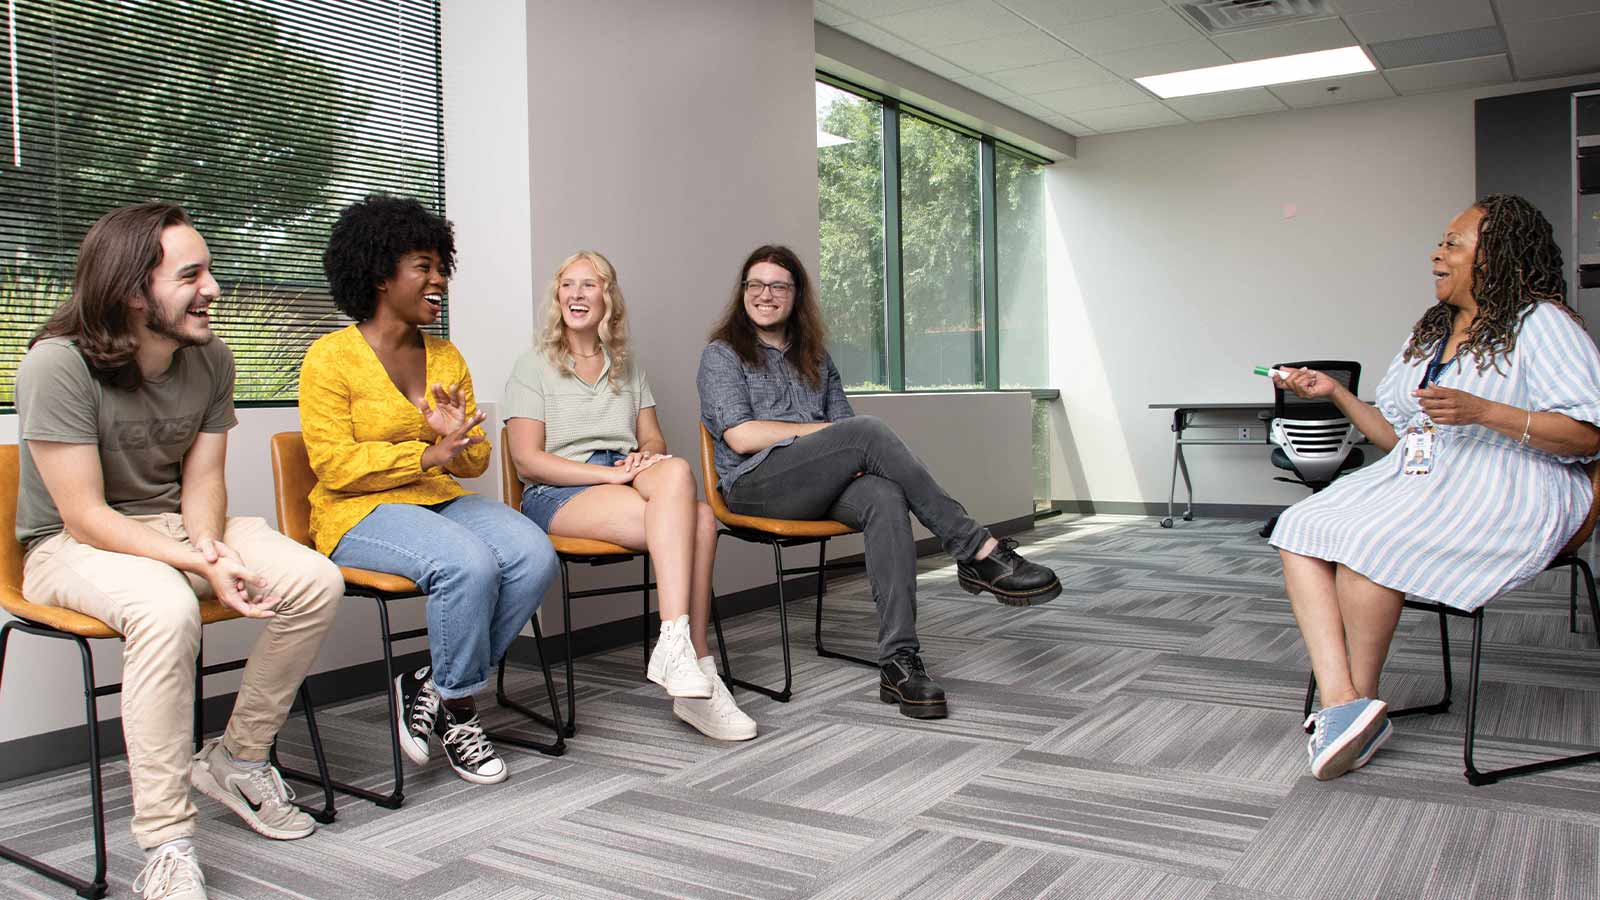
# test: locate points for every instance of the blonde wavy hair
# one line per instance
(613, 322)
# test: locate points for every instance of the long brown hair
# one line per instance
(114, 264)
(808, 337)
(1518, 265)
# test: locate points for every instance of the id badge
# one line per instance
(1419, 447)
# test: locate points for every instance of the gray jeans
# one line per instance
(857, 471)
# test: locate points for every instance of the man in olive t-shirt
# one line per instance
(124, 401)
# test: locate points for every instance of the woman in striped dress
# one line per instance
(583, 433)
(1486, 413)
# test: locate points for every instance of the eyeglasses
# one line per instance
(780, 289)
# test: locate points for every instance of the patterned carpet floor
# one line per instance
(1137, 737)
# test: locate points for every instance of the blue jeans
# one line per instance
(540, 502)
(483, 566)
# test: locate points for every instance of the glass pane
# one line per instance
(850, 205)
(1019, 219)
(939, 223)
(309, 105)
(1043, 435)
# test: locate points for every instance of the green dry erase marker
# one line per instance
(1265, 371)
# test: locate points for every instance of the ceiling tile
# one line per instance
(1059, 12)
(1532, 10)
(1161, 26)
(1229, 103)
(1306, 94)
(1011, 51)
(877, 37)
(1024, 105)
(1414, 18)
(1348, 7)
(872, 9)
(925, 59)
(985, 87)
(1555, 46)
(1127, 118)
(1302, 37)
(1099, 96)
(1070, 125)
(829, 14)
(1056, 76)
(1457, 73)
(953, 23)
(1164, 58)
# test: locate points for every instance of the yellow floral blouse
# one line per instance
(365, 439)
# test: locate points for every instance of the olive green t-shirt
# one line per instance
(579, 418)
(143, 434)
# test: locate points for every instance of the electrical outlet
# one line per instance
(1244, 433)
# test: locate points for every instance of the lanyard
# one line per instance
(1431, 374)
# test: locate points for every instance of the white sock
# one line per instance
(243, 763)
(182, 843)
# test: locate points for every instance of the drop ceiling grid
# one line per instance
(1077, 59)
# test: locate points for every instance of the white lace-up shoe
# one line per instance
(718, 716)
(173, 873)
(256, 793)
(672, 663)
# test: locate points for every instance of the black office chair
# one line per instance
(1312, 438)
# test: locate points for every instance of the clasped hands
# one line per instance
(233, 583)
(1446, 406)
(448, 418)
(628, 468)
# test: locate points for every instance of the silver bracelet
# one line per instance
(1525, 427)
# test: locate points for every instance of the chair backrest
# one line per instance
(1581, 536)
(292, 481)
(708, 474)
(1286, 405)
(10, 549)
(510, 484)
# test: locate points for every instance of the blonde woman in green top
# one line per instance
(583, 434)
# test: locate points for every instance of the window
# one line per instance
(942, 250)
(850, 207)
(263, 119)
(933, 274)
(1019, 223)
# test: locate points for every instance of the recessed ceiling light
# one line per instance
(1260, 72)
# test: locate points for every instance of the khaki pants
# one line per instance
(155, 608)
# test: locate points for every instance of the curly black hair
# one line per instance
(367, 242)
(1518, 266)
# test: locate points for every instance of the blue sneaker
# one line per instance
(1378, 740)
(1341, 734)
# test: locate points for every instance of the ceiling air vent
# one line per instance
(1227, 16)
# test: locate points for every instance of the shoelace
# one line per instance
(426, 710)
(270, 786)
(174, 870)
(1006, 545)
(912, 663)
(470, 743)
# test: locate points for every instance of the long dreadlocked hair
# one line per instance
(1517, 266)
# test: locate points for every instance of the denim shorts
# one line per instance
(540, 501)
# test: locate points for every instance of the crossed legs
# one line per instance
(1347, 622)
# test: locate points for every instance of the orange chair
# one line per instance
(1568, 558)
(576, 550)
(64, 624)
(292, 480)
(778, 534)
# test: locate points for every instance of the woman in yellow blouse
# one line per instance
(390, 423)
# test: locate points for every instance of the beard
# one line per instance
(172, 327)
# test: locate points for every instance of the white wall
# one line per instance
(673, 138)
(1174, 270)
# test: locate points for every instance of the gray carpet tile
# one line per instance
(1137, 737)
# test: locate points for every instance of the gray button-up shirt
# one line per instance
(732, 393)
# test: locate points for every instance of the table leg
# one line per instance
(1177, 457)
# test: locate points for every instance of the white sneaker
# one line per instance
(256, 793)
(672, 663)
(718, 717)
(172, 874)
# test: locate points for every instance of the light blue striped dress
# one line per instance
(1491, 513)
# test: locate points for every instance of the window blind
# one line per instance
(262, 117)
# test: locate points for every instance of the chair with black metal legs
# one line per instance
(778, 534)
(575, 550)
(1569, 558)
(292, 480)
(64, 624)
